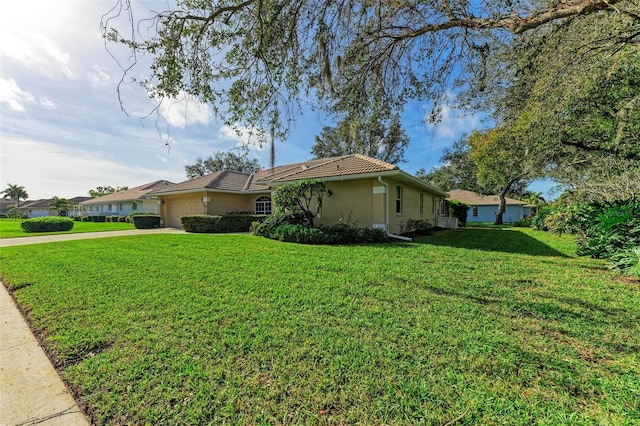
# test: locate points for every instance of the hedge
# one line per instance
(47, 224)
(146, 221)
(203, 223)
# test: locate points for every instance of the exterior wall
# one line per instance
(173, 207)
(410, 206)
(123, 208)
(40, 212)
(351, 201)
(487, 214)
(222, 203)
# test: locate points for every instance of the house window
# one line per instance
(475, 211)
(398, 200)
(110, 207)
(421, 203)
(263, 205)
(119, 207)
(135, 206)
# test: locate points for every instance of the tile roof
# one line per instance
(346, 165)
(137, 193)
(44, 203)
(475, 199)
(223, 180)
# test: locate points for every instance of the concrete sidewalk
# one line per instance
(31, 392)
(8, 242)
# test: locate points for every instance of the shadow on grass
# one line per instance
(488, 239)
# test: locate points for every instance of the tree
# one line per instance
(459, 171)
(372, 136)
(105, 190)
(223, 160)
(298, 198)
(504, 159)
(60, 205)
(15, 192)
(256, 61)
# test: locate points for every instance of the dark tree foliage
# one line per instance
(223, 160)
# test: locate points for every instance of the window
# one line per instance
(475, 211)
(119, 207)
(421, 203)
(135, 206)
(398, 200)
(110, 207)
(263, 205)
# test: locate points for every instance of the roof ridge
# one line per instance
(374, 160)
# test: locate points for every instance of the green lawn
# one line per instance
(10, 228)
(474, 326)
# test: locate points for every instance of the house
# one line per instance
(484, 207)
(5, 203)
(363, 190)
(123, 203)
(42, 207)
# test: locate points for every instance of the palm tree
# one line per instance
(15, 192)
(61, 205)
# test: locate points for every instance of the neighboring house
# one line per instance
(36, 208)
(123, 203)
(5, 203)
(363, 190)
(39, 208)
(484, 207)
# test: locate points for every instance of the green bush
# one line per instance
(98, 219)
(419, 226)
(220, 224)
(459, 210)
(525, 222)
(146, 221)
(287, 228)
(47, 224)
(129, 219)
(113, 218)
(538, 219)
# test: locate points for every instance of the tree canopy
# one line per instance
(105, 190)
(15, 192)
(237, 161)
(257, 61)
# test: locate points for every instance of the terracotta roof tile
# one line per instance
(347, 165)
(223, 180)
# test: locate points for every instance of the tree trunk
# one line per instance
(502, 206)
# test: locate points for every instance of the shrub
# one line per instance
(47, 224)
(537, 222)
(113, 218)
(220, 224)
(525, 222)
(85, 219)
(287, 228)
(459, 210)
(146, 221)
(129, 219)
(98, 218)
(627, 261)
(14, 212)
(419, 226)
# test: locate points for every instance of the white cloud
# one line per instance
(454, 122)
(13, 96)
(242, 136)
(47, 103)
(97, 76)
(46, 169)
(184, 111)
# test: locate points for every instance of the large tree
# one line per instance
(369, 135)
(255, 61)
(15, 192)
(60, 205)
(237, 161)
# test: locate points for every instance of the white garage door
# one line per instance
(182, 207)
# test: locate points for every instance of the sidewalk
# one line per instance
(31, 392)
(8, 242)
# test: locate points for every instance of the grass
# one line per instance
(10, 228)
(474, 326)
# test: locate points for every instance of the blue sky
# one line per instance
(62, 131)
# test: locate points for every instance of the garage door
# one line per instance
(182, 207)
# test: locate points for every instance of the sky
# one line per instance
(63, 130)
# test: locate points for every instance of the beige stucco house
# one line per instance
(363, 190)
